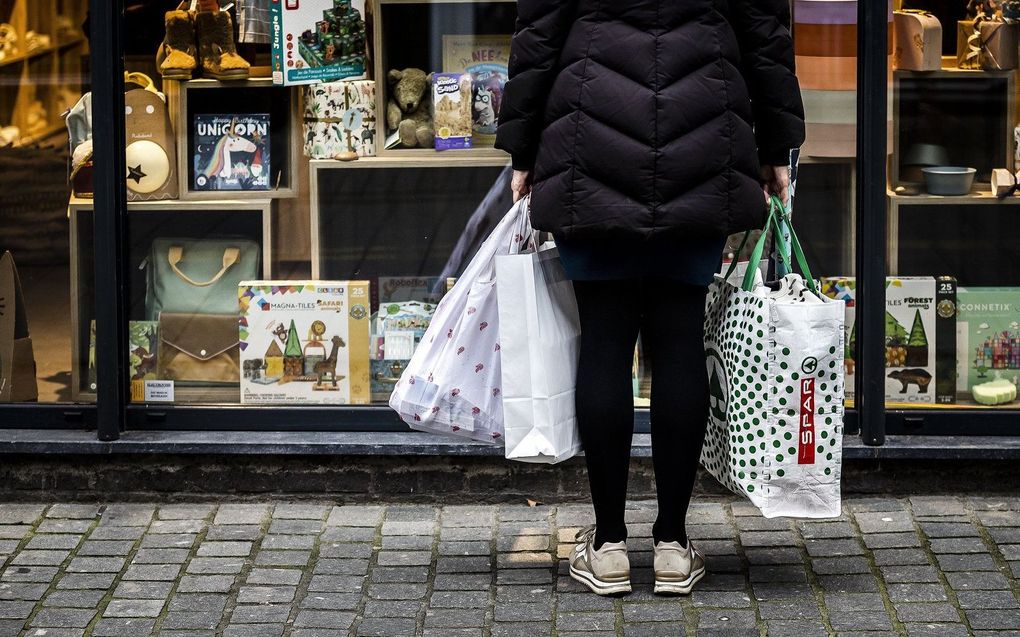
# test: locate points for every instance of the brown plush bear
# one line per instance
(408, 109)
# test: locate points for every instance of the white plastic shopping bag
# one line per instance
(540, 333)
(775, 362)
(452, 384)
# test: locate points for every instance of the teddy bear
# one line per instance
(408, 109)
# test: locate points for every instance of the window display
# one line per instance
(951, 193)
(44, 72)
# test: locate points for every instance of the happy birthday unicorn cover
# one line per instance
(231, 152)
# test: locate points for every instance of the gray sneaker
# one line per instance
(605, 571)
(677, 567)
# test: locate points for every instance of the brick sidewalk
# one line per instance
(937, 566)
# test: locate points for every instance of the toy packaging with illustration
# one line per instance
(920, 337)
(988, 340)
(304, 342)
(231, 152)
(317, 40)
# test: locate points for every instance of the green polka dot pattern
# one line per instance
(764, 358)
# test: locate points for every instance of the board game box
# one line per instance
(920, 337)
(317, 40)
(304, 342)
(989, 335)
(231, 152)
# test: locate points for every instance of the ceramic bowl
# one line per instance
(948, 180)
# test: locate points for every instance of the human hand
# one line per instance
(776, 182)
(520, 184)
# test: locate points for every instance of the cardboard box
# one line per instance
(920, 337)
(304, 342)
(340, 117)
(988, 342)
(397, 329)
(485, 58)
(317, 40)
(451, 110)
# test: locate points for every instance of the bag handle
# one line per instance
(176, 254)
(777, 212)
(141, 79)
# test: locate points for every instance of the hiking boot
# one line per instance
(605, 571)
(216, 47)
(176, 55)
(677, 567)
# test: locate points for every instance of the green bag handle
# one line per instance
(772, 225)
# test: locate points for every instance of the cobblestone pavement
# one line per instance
(921, 566)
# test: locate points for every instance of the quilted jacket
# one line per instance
(650, 118)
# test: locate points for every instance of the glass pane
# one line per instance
(45, 262)
(953, 315)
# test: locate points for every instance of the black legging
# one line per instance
(669, 316)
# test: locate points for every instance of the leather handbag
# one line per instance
(17, 363)
(199, 349)
(198, 276)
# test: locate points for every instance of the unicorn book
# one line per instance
(231, 152)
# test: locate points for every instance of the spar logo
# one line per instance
(806, 441)
(717, 389)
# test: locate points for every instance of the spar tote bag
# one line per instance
(774, 355)
(540, 335)
(452, 384)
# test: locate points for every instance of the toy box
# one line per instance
(304, 342)
(340, 117)
(920, 337)
(317, 40)
(989, 335)
(451, 110)
(396, 331)
(485, 58)
(231, 152)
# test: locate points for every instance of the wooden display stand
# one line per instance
(255, 213)
(181, 111)
(50, 74)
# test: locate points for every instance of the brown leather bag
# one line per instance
(199, 348)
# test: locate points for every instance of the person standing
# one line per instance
(646, 132)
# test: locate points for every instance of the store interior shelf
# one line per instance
(422, 158)
(977, 196)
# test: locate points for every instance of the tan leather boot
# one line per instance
(216, 47)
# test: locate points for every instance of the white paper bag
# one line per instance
(451, 385)
(539, 332)
(775, 361)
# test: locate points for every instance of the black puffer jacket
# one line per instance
(636, 116)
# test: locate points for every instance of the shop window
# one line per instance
(43, 73)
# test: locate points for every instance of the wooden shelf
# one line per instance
(421, 158)
(177, 93)
(975, 197)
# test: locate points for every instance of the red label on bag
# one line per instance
(806, 447)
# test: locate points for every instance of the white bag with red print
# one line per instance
(452, 384)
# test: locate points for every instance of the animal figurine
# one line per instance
(912, 376)
(328, 366)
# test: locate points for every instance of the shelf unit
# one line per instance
(985, 83)
(376, 10)
(179, 105)
(49, 75)
(256, 212)
(323, 169)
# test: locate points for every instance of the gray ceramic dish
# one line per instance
(948, 180)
